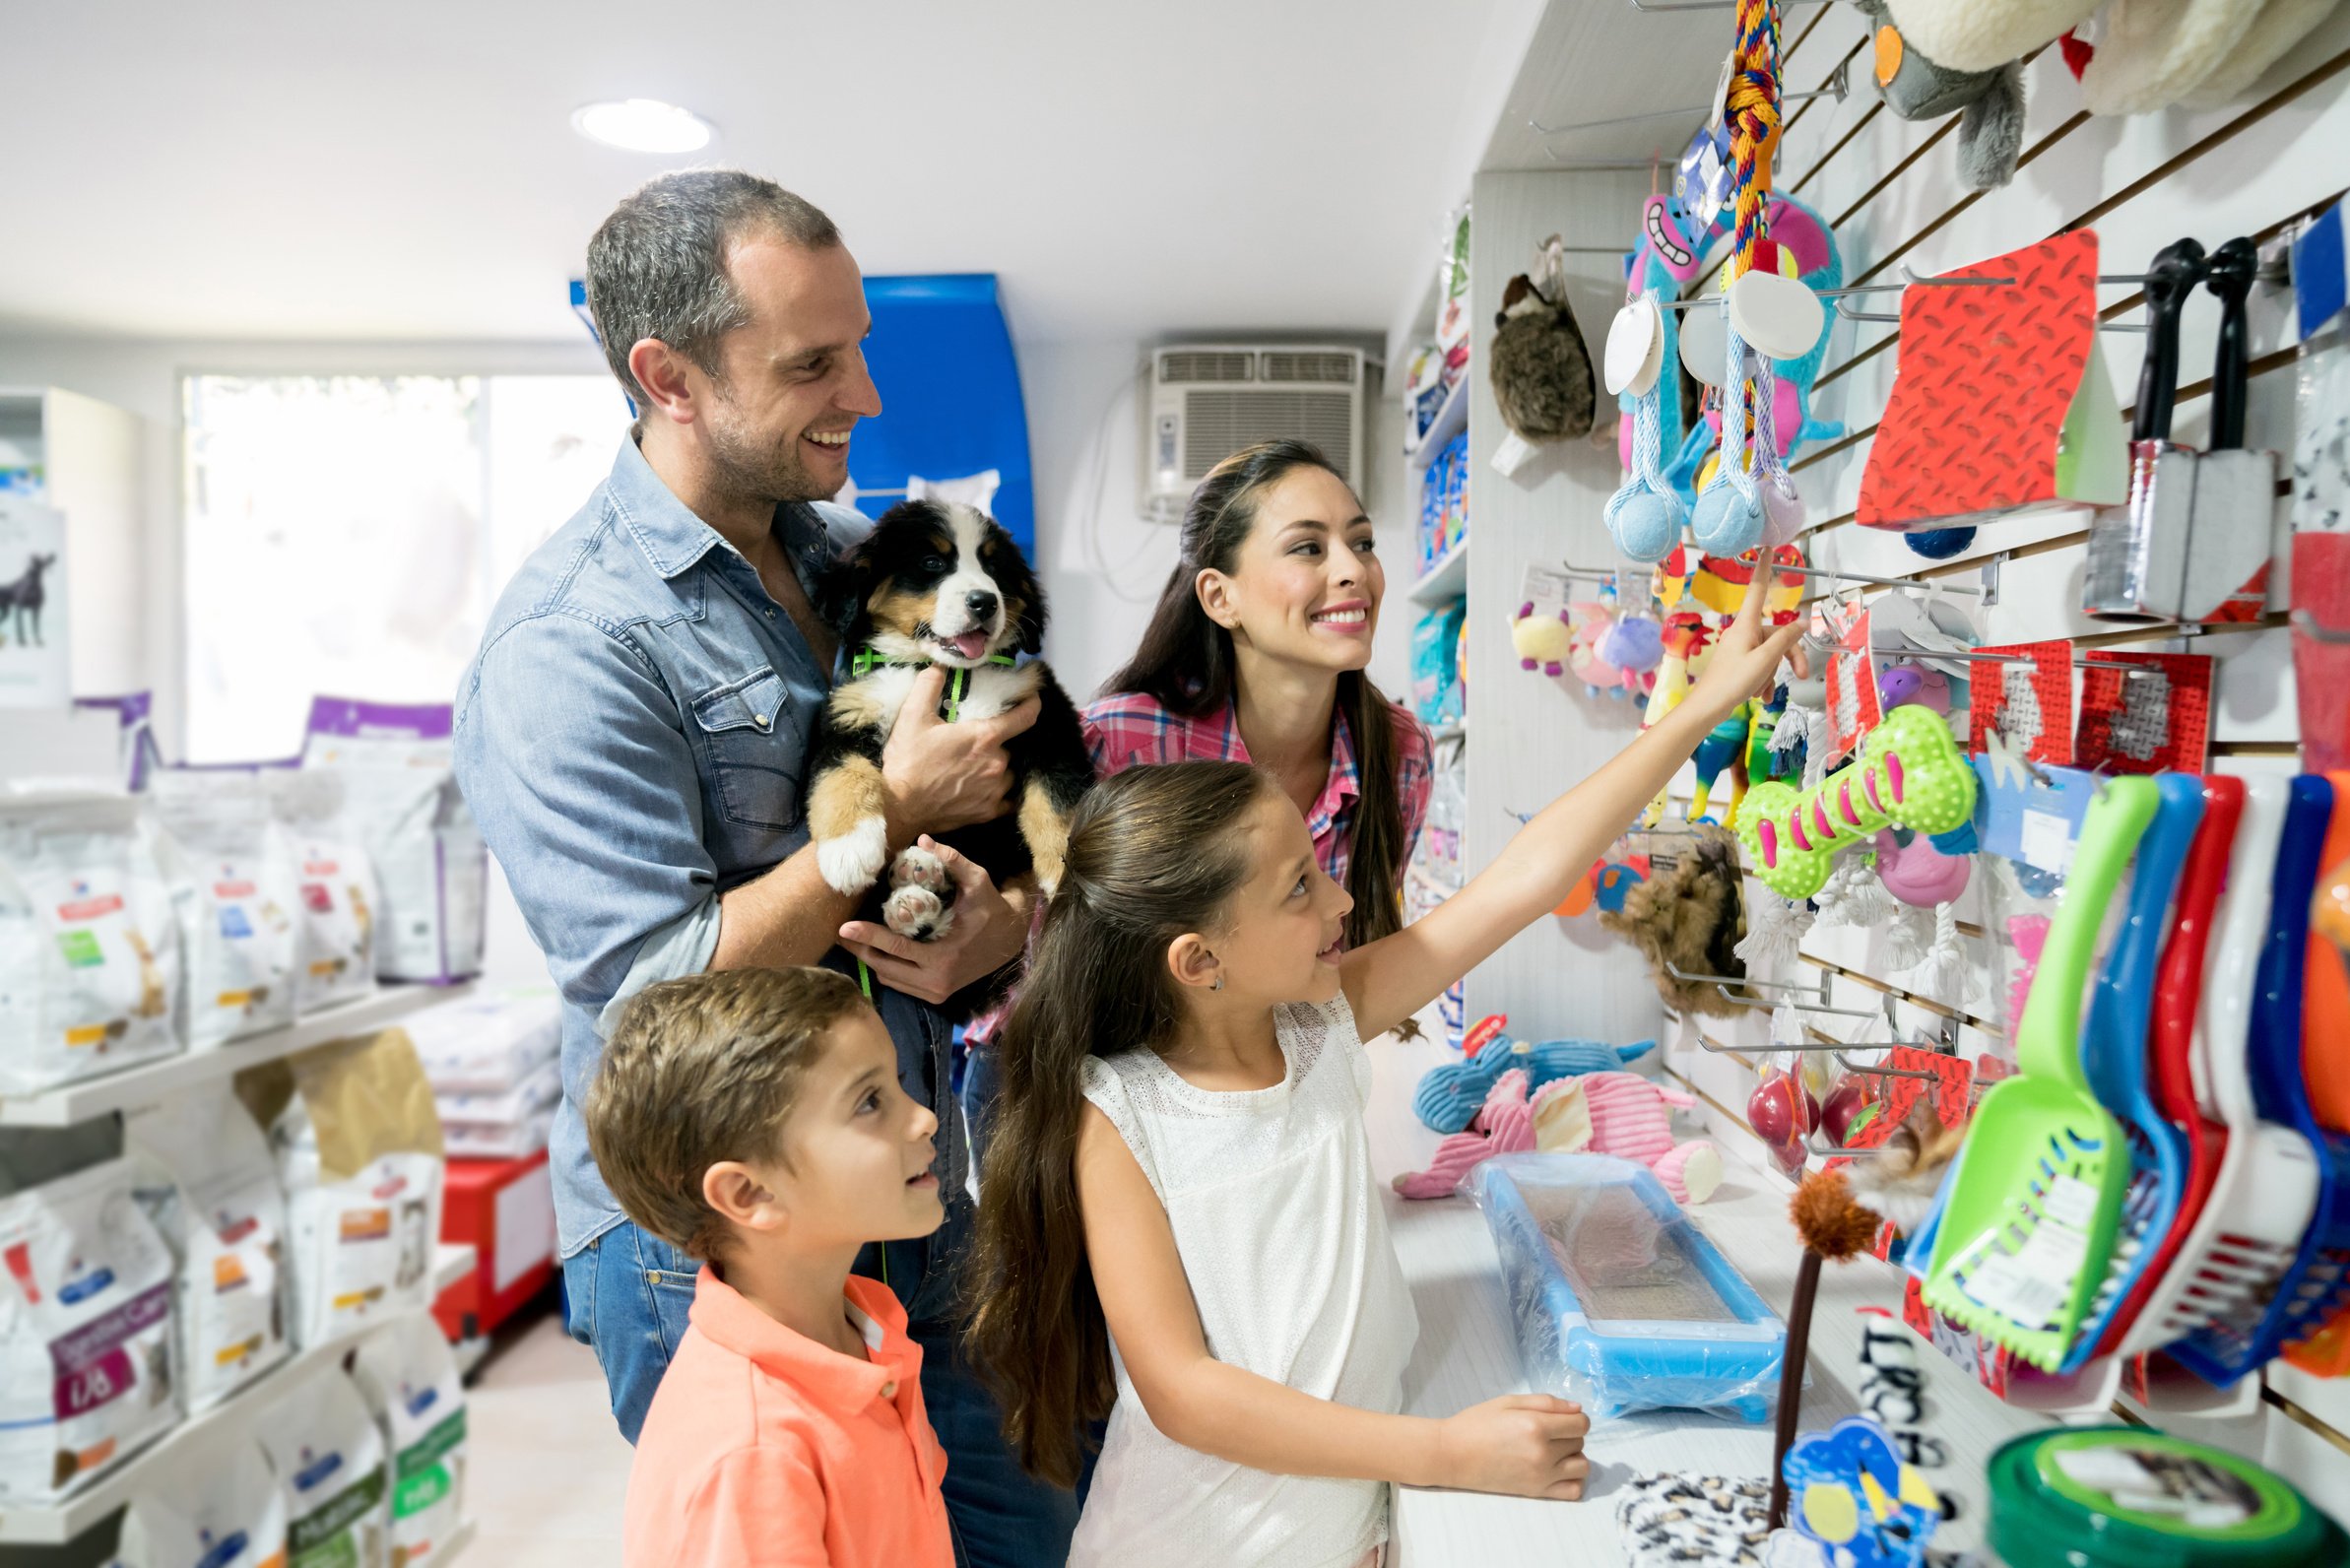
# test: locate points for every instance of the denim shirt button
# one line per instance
(760, 719)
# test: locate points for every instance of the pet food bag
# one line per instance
(501, 1126)
(329, 1460)
(402, 802)
(209, 1507)
(409, 1379)
(89, 946)
(488, 1044)
(84, 1331)
(239, 896)
(335, 882)
(358, 1149)
(202, 1171)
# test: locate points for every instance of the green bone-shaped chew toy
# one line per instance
(1909, 774)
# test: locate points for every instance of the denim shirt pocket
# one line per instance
(753, 752)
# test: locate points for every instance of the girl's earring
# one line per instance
(1220, 982)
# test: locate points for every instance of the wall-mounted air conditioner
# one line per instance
(1205, 401)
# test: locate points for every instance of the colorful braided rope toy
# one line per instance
(1909, 774)
(1452, 1093)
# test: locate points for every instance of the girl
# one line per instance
(1178, 1222)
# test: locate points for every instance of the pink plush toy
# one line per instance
(1632, 1119)
(1504, 1126)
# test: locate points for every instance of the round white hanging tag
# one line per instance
(1704, 342)
(1635, 348)
(1778, 315)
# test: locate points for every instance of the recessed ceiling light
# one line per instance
(643, 125)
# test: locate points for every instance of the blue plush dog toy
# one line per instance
(1449, 1097)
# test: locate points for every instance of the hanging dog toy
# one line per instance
(1645, 514)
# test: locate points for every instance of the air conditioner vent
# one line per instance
(1216, 424)
(1204, 366)
(1203, 401)
(1337, 368)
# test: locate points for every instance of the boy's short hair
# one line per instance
(698, 1071)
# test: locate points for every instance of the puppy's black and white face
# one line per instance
(941, 583)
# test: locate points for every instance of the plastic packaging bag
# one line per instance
(208, 1508)
(202, 1171)
(88, 943)
(504, 1126)
(238, 894)
(330, 1466)
(84, 1331)
(409, 1381)
(1621, 1303)
(487, 1045)
(335, 952)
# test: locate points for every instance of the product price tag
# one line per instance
(2047, 843)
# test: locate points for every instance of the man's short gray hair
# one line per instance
(657, 266)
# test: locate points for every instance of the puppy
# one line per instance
(938, 583)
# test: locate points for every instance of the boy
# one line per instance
(753, 1118)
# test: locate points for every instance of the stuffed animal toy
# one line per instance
(1687, 916)
(1540, 368)
(1631, 1118)
(1503, 1124)
(1451, 1092)
(1635, 645)
(1989, 102)
(1587, 628)
(1725, 747)
(2150, 54)
(1543, 641)
(1985, 34)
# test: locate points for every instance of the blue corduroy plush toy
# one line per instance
(1451, 1092)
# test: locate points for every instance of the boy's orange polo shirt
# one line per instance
(764, 1447)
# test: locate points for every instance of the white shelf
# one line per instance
(1447, 579)
(452, 1261)
(55, 1524)
(1452, 418)
(150, 1082)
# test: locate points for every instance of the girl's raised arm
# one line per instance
(1389, 980)
(1525, 1444)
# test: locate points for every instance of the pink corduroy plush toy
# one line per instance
(1504, 1125)
(1632, 1119)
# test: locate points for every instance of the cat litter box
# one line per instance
(1621, 1303)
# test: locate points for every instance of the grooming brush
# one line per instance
(2029, 1221)
(2313, 1285)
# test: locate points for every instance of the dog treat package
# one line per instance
(202, 1171)
(329, 1460)
(211, 1506)
(358, 1151)
(335, 883)
(409, 1379)
(488, 1044)
(89, 946)
(237, 900)
(400, 799)
(84, 1331)
(501, 1126)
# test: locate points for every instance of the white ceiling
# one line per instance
(296, 171)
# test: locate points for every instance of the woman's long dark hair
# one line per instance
(1154, 853)
(1185, 663)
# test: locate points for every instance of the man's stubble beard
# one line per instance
(742, 465)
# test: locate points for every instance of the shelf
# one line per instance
(56, 1524)
(452, 1261)
(1447, 579)
(150, 1082)
(1451, 419)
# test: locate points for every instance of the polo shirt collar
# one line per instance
(673, 539)
(831, 1379)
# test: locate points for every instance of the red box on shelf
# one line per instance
(505, 1208)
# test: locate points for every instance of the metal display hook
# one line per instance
(2306, 621)
(1838, 87)
(1723, 983)
(1652, 7)
(2080, 660)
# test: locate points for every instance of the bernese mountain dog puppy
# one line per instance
(938, 583)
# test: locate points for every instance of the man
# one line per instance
(632, 736)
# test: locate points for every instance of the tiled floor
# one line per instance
(546, 1470)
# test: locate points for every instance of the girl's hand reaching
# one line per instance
(1524, 1445)
(1745, 657)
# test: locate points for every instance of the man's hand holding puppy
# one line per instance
(940, 776)
(989, 930)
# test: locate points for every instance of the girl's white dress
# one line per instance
(1279, 1226)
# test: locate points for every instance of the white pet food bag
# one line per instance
(335, 884)
(358, 1149)
(409, 1381)
(330, 1466)
(202, 1171)
(489, 1045)
(85, 1332)
(239, 896)
(208, 1508)
(402, 802)
(88, 942)
(504, 1126)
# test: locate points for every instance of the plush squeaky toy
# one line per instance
(1451, 1092)
(1686, 916)
(1541, 370)
(1989, 102)
(1985, 34)
(1910, 774)
(1542, 639)
(1631, 1118)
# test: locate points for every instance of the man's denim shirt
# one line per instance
(630, 738)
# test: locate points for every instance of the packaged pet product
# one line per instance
(330, 1463)
(487, 1045)
(1435, 662)
(401, 797)
(202, 1171)
(208, 1508)
(409, 1379)
(85, 1332)
(238, 894)
(501, 1126)
(358, 1145)
(89, 948)
(335, 879)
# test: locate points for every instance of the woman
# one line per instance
(1255, 653)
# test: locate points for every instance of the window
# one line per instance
(349, 534)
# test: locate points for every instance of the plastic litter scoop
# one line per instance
(2114, 1054)
(2311, 1285)
(2268, 1183)
(2031, 1215)
(2325, 1064)
(2177, 993)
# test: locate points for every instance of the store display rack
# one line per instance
(1447, 579)
(55, 1524)
(150, 1082)
(1452, 418)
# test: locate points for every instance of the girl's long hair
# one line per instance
(1154, 853)
(1185, 662)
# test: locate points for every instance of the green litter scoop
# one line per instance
(2035, 1204)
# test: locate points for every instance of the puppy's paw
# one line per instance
(916, 867)
(917, 913)
(850, 862)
